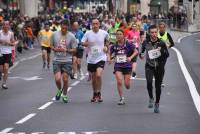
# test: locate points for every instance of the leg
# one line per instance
(44, 57)
(119, 78)
(48, 60)
(57, 76)
(127, 80)
(75, 66)
(65, 83)
(149, 79)
(5, 76)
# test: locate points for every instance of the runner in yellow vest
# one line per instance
(165, 37)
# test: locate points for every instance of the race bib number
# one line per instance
(153, 54)
(95, 50)
(121, 58)
(112, 36)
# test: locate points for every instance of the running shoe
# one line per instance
(121, 101)
(156, 108)
(94, 98)
(99, 98)
(162, 85)
(151, 103)
(58, 94)
(4, 86)
(134, 74)
(75, 76)
(65, 98)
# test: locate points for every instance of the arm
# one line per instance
(143, 48)
(170, 40)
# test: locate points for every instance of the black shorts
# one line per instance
(124, 71)
(79, 53)
(48, 49)
(5, 58)
(93, 67)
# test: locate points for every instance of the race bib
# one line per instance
(121, 58)
(95, 50)
(153, 54)
(113, 36)
(0, 53)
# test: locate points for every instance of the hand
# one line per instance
(105, 49)
(141, 56)
(129, 59)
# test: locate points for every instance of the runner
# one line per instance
(64, 45)
(44, 40)
(165, 37)
(79, 51)
(123, 52)
(134, 38)
(156, 54)
(97, 41)
(6, 43)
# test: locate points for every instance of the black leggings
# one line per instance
(157, 73)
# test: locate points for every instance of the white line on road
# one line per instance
(6, 130)
(26, 118)
(189, 80)
(75, 83)
(45, 105)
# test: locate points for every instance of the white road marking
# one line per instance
(75, 83)
(198, 40)
(45, 105)
(6, 130)
(27, 78)
(66, 133)
(189, 80)
(26, 118)
(142, 79)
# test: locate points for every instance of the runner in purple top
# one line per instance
(122, 53)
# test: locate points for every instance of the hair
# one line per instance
(162, 23)
(65, 22)
(152, 27)
(120, 30)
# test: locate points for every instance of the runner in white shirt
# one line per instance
(97, 41)
(6, 44)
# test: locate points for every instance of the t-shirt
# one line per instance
(78, 35)
(45, 38)
(66, 41)
(122, 50)
(95, 49)
(6, 37)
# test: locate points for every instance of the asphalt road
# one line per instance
(30, 87)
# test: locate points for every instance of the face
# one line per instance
(6, 26)
(46, 27)
(120, 36)
(153, 33)
(134, 28)
(162, 28)
(64, 29)
(75, 26)
(95, 25)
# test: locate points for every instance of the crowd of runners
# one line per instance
(103, 38)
